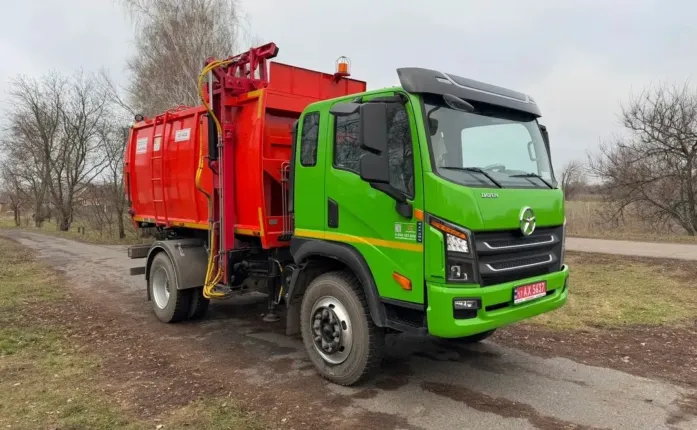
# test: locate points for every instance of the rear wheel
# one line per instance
(340, 337)
(169, 303)
(198, 305)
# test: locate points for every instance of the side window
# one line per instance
(347, 150)
(309, 138)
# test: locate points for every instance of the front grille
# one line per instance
(521, 262)
(518, 243)
(507, 256)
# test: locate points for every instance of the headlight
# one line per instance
(456, 239)
(459, 261)
(455, 244)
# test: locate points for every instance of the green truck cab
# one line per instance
(430, 208)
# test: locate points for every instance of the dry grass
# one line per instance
(48, 381)
(587, 218)
(614, 291)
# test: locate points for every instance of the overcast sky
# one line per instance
(578, 59)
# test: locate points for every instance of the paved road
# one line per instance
(639, 249)
(424, 384)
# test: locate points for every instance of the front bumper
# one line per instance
(496, 308)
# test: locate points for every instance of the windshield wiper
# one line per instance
(532, 175)
(475, 169)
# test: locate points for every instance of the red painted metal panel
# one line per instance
(256, 116)
(161, 164)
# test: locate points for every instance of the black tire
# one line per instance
(474, 338)
(368, 343)
(177, 304)
(198, 305)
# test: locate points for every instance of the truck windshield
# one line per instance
(490, 147)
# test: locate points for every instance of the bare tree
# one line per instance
(113, 140)
(653, 170)
(573, 179)
(12, 191)
(79, 158)
(52, 139)
(173, 40)
(32, 137)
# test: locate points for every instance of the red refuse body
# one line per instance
(163, 154)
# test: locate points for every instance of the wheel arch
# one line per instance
(315, 257)
(181, 252)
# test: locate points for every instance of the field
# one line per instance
(588, 218)
(49, 379)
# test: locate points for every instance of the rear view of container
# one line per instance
(163, 157)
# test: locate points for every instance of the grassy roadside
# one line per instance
(615, 291)
(76, 233)
(48, 380)
(634, 236)
(636, 315)
(588, 219)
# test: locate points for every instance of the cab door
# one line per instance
(367, 219)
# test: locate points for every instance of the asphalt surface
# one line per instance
(425, 385)
(627, 247)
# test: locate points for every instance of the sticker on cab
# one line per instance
(405, 231)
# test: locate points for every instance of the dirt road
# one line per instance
(638, 249)
(424, 384)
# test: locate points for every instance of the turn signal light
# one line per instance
(444, 228)
(402, 280)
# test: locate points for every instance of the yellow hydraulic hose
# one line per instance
(211, 280)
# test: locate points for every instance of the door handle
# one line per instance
(332, 213)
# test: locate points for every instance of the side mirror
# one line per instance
(372, 136)
(433, 126)
(457, 103)
(372, 131)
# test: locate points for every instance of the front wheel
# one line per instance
(343, 343)
(169, 303)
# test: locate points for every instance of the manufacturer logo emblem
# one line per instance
(527, 221)
(490, 195)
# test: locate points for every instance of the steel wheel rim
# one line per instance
(160, 287)
(331, 330)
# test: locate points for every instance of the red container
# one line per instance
(163, 153)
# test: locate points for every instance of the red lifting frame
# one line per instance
(246, 72)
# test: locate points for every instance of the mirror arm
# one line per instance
(405, 209)
(391, 191)
(402, 206)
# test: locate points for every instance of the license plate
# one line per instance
(529, 292)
